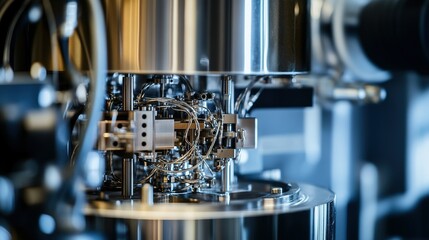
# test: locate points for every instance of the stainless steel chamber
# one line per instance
(251, 37)
(301, 211)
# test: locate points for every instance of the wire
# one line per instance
(192, 155)
(71, 199)
(7, 45)
(192, 152)
(250, 100)
(238, 104)
(85, 47)
(214, 141)
(143, 90)
(181, 170)
(97, 78)
(53, 38)
(3, 9)
(149, 176)
(187, 83)
(5, 6)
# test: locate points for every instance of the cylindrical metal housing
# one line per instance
(202, 37)
(304, 212)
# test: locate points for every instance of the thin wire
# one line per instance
(163, 165)
(238, 103)
(97, 77)
(208, 167)
(2, 12)
(4, 8)
(187, 83)
(213, 142)
(7, 45)
(72, 162)
(85, 47)
(149, 176)
(93, 111)
(143, 90)
(50, 17)
(181, 170)
(248, 104)
(193, 118)
(192, 145)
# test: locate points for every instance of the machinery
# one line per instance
(133, 119)
(149, 108)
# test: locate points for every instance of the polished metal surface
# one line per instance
(127, 94)
(127, 177)
(228, 108)
(306, 212)
(204, 37)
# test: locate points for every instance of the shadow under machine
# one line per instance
(164, 125)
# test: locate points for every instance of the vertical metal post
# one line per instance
(228, 108)
(227, 95)
(147, 194)
(227, 175)
(128, 92)
(162, 89)
(128, 163)
(127, 177)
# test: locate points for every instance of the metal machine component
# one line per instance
(341, 68)
(353, 34)
(170, 148)
(127, 177)
(180, 141)
(180, 197)
(299, 212)
(128, 92)
(336, 42)
(330, 89)
(247, 37)
(186, 141)
(228, 108)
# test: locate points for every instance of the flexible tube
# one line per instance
(97, 82)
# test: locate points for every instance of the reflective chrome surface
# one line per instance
(207, 36)
(245, 216)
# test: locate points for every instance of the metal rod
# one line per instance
(128, 92)
(228, 95)
(127, 177)
(228, 175)
(228, 108)
(147, 194)
(162, 89)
